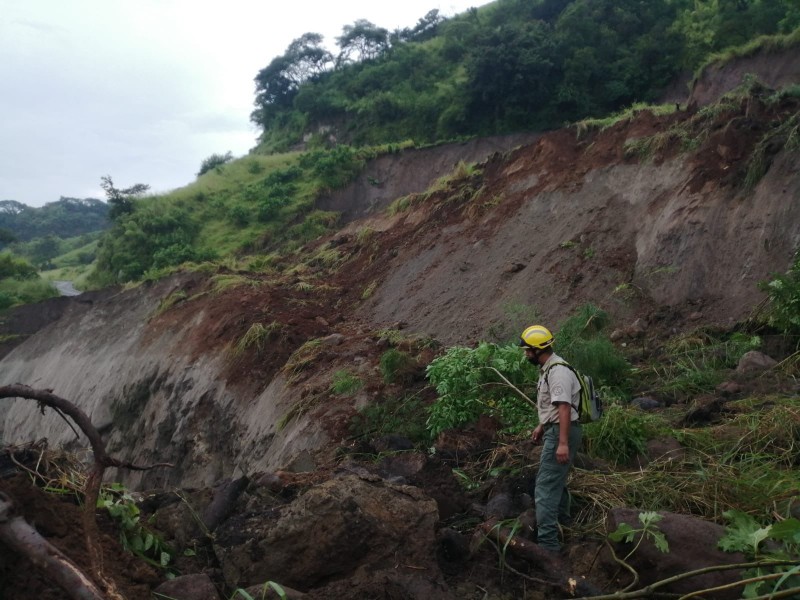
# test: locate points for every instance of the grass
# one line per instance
(14, 292)
(765, 43)
(302, 358)
(345, 383)
(624, 116)
(223, 283)
(257, 337)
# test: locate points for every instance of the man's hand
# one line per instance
(537, 433)
(562, 454)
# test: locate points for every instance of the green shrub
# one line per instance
(783, 292)
(468, 387)
(26, 291)
(581, 340)
(12, 266)
(620, 435)
(215, 161)
(402, 416)
(334, 168)
(345, 383)
(397, 366)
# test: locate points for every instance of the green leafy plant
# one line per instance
(470, 382)
(649, 529)
(620, 435)
(397, 365)
(345, 383)
(783, 292)
(402, 415)
(135, 537)
(269, 585)
(779, 541)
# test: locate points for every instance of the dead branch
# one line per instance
(24, 539)
(101, 461)
(534, 554)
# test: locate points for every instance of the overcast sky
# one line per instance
(144, 90)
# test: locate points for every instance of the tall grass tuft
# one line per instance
(257, 337)
(582, 341)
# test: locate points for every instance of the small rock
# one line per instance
(270, 481)
(755, 361)
(646, 403)
(302, 463)
(515, 267)
(726, 389)
(695, 316)
(322, 321)
(333, 339)
(188, 587)
(500, 506)
(616, 335)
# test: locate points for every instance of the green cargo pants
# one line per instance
(551, 495)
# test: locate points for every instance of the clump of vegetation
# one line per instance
(468, 385)
(345, 383)
(302, 358)
(397, 366)
(215, 161)
(257, 337)
(783, 292)
(694, 363)
(134, 536)
(401, 415)
(621, 434)
(20, 284)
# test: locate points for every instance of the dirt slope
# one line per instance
(673, 240)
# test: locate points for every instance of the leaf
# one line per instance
(788, 530)
(164, 559)
(623, 531)
(740, 534)
(649, 517)
(148, 542)
(189, 552)
(660, 541)
(277, 589)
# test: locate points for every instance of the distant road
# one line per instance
(65, 288)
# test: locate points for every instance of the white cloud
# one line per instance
(145, 89)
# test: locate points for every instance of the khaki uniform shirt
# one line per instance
(560, 385)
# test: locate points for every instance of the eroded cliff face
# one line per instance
(672, 240)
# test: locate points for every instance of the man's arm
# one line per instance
(564, 422)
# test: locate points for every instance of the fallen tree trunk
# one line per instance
(506, 539)
(18, 535)
(102, 460)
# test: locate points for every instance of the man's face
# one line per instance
(531, 355)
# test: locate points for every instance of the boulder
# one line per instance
(197, 586)
(755, 362)
(646, 403)
(333, 530)
(692, 545)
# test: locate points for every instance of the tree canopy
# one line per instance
(509, 65)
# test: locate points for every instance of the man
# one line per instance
(558, 396)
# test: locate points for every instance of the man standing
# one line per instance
(558, 396)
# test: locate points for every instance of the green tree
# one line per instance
(6, 236)
(214, 161)
(277, 83)
(121, 201)
(44, 249)
(510, 75)
(361, 41)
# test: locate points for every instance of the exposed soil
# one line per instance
(540, 224)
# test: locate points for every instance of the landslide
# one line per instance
(232, 373)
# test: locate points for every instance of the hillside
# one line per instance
(258, 372)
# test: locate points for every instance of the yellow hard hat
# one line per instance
(536, 336)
